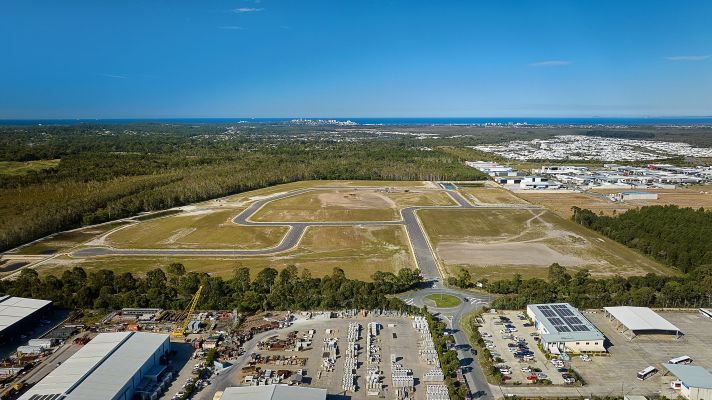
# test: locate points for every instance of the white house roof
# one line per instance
(273, 392)
(641, 319)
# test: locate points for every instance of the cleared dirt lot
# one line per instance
(404, 346)
(499, 243)
(490, 195)
(348, 205)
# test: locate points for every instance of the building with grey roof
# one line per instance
(112, 366)
(639, 320)
(273, 392)
(18, 314)
(563, 328)
(694, 383)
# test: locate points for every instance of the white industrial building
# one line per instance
(563, 328)
(273, 392)
(694, 383)
(639, 320)
(18, 314)
(634, 195)
(112, 366)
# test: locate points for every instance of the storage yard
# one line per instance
(356, 354)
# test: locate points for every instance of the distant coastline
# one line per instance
(520, 121)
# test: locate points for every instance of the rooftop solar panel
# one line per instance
(556, 321)
(563, 328)
(580, 328)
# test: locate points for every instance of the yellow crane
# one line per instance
(179, 331)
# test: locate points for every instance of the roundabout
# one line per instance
(442, 300)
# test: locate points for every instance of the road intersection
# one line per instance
(424, 254)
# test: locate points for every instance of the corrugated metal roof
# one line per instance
(273, 392)
(561, 321)
(101, 368)
(641, 319)
(15, 309)
(691, 375)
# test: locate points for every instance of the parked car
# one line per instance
(585, 357)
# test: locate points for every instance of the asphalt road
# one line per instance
(425, 259)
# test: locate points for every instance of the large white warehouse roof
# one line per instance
(641, 319)
(273, 392)
(15, 309)
(100, 369)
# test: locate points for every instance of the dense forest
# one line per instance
(112, 172)
(174, 287)
(679, 237)
(582, 290)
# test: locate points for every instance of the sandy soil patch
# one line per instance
(505, 254)
(358, 200)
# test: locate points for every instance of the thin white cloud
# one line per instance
(550, 63)
(232, 28)
(688, 58)
(245, 10)
(113, 76)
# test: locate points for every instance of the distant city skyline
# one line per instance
(365, 59)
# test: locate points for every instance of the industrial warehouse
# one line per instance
(693, 382)
(17, 314)
(113, 366)
(273, 392)
(563, 328)
(640, 320)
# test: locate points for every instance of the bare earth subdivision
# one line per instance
(361, 227)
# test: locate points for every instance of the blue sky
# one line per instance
(340, 58)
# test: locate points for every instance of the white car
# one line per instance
(526, 370)
(585, 357)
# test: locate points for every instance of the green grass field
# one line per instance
(24, 167)
(442, 300)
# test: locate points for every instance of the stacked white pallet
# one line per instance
(434, 375)
(437, 392)
(348, 383)
(373, 381)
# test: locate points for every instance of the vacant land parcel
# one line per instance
(199, 229)
(499, 243)
(349, 205)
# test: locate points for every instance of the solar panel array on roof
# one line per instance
(564, 323)
(46, 396)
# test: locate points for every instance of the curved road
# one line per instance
(422, 251)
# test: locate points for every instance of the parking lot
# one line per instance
(397, 337)
(616, 373)
(501, 342)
